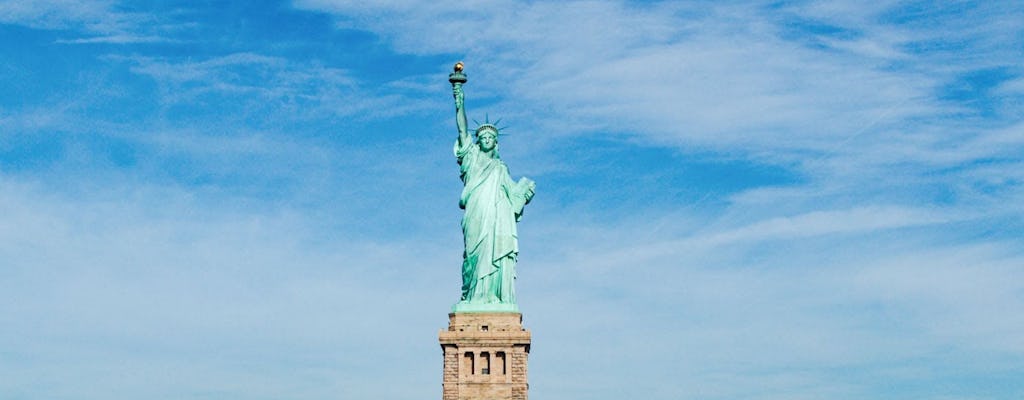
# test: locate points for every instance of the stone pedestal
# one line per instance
(485, 356)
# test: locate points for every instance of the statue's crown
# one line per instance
(487, 126)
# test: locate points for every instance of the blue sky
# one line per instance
(736, 200)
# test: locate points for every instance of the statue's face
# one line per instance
(487, 142)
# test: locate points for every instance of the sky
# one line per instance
(735, 200)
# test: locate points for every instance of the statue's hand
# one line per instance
(529, 187)
(457, 92)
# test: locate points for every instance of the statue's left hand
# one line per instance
(530, 188)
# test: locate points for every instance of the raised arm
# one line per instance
(457, 78)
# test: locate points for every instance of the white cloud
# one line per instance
(60, 14)
(667, 72)
(299, 90)
(823, 303)
(156, 279)
(722, 77)
(98, 21)
(1014, 87)
(137, 282)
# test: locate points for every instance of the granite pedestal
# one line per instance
(485, 356)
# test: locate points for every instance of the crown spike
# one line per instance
(493, 126)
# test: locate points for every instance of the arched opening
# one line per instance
(468, 364)
(500, 367)
(485, 363)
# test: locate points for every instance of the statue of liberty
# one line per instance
(493, 204)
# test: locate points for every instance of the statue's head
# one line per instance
(487, 136)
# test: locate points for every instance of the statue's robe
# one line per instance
(493, 204)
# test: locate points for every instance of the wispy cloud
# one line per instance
(158, 267)
(95, 21)
(847, 302)
(269, 84)
(115, 39)
(777, 82)
(97, 15)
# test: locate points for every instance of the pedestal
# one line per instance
(485, 356)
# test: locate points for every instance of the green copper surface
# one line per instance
(462, 307)
(493, 204)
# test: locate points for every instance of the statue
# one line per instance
(493, 204)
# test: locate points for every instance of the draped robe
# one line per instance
(493, 204)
